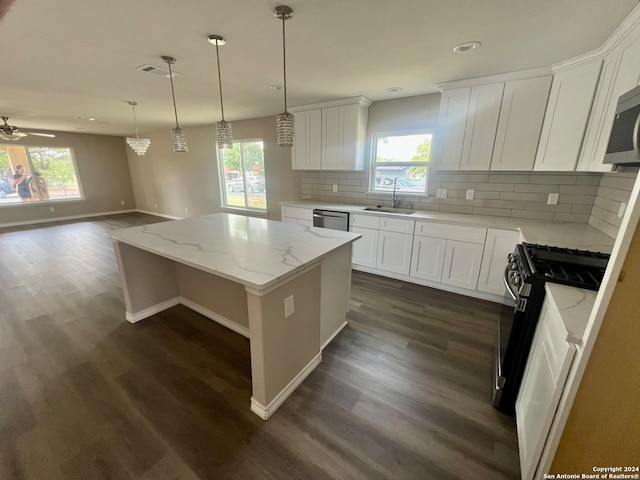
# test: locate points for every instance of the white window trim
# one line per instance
(223, 186)
(374, 164)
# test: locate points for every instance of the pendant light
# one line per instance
(179, 137)
(139, 144)
(285, 121)
(224, 132)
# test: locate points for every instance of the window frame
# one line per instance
(223, 184)
(80, 198)
(374, 165)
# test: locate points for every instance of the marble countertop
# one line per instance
(568, 235)
(574, 306)
(255, 252)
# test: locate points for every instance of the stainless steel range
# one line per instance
(529, 267)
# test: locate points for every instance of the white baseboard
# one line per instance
(58, 219)
(215, 317)
(334, 335)
(152, 310)
(158, 214)
(265, 411)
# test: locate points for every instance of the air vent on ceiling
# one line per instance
(161, 72)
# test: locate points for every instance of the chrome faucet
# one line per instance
(395, 201)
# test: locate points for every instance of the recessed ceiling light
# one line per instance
(91, 119)
(394, 89)
(467, 47)
(276, 87)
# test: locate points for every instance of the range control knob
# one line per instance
(513, 266)
(511, 258)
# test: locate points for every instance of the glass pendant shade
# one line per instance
(140, 145)
(179, 140)
(224, 134)
(286, 127)
(285, 121)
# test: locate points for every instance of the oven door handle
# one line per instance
(508, 285)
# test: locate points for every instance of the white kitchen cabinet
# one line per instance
(297, 215)
(462, 264)
(427, 258)
(365, 249)
(565, 121)
(521, 114)
(454, 108)
(542, 384)
(498, 245)
(620, 73)
(480, 129)
(394, 252)
(306, 153)
(331, 135)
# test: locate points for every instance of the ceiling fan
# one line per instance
(9, 132)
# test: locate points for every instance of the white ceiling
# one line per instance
(77, 58)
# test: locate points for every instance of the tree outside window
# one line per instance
(242, 175)
(401, 159)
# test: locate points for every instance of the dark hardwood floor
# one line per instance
(402, 393)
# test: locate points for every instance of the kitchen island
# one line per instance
(284, 286)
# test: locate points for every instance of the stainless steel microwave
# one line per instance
(622, 148)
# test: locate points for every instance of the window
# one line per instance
(401, 159)
(242, 175)
(37, 174)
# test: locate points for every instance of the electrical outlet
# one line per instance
(186, 210)
(288, 306)
(52, 209)
(470, 194)
(441, 193)
(553, 199)
(335, 187)
(122, 202)
(156, 205)
(623, 208)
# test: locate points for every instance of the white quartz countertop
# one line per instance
(574, 306)
(568, 235)
(255, 252)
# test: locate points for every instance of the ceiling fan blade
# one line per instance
(20, 134)
(49, 135)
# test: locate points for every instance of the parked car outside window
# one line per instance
(5, 187)
(254, 184)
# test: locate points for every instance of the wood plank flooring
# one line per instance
(402, 393)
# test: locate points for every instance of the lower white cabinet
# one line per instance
(394, 252)
(297, 215)
(427, 258)
(498, 245)
(462, 264)
(542, 384)
(365, 249)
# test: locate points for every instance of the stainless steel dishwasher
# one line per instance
(331, 219)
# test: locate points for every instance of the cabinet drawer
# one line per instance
(451, 232)
(296, 212)
(364, 221)
(399, 225)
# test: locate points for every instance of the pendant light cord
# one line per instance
(135, 121)
(219, 80)
(284, 61)
(173, 95)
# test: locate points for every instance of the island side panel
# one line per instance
(222, 300)
(283, 350)
(336, 292)
(148, 281)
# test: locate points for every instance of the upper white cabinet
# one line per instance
(566, 118)
(521, 115)
(330, 135)
(492, 123)
(306, 153)
(620, 73)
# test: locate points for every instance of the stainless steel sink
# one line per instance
(390, 210)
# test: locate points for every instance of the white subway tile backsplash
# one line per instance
(593, 198)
